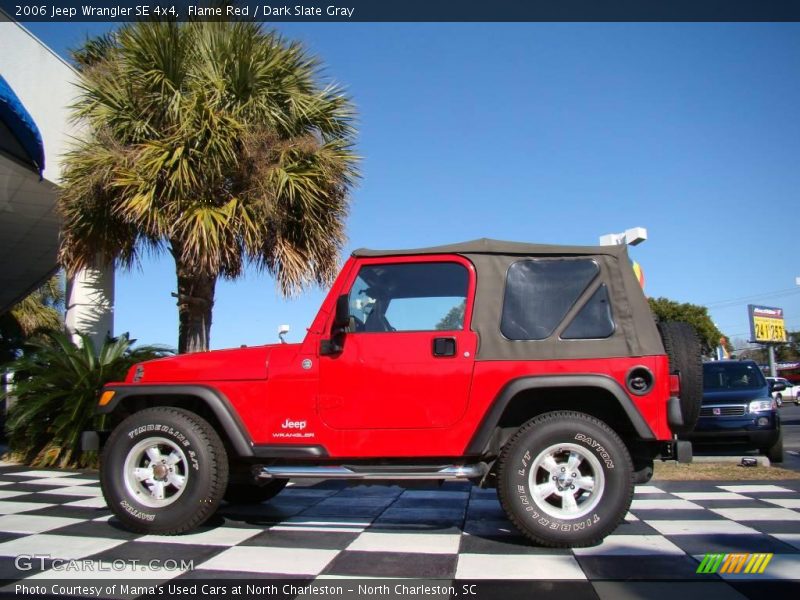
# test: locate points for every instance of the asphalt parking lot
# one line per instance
(456, 533)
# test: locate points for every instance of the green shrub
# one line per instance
(55, 393)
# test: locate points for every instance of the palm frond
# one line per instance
(94, 50)
(39, 312)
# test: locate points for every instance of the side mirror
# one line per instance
(282, 331)
(777, 386)
(341, 321)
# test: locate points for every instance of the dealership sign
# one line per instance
(766, 324)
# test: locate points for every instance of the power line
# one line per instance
(734, 301)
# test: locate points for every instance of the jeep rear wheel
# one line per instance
(163, 470)
(685, 357)
(565, 479)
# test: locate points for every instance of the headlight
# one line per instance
(760, 405)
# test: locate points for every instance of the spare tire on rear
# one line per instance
(684, 351)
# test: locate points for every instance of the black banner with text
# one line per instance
(406, 10)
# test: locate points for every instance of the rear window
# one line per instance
(719, 376)
(539, 294)
(594, 320)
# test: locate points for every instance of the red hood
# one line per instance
(218, 365)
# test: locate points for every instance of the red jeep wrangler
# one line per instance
(538, 370)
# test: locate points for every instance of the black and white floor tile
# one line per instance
(456, 532)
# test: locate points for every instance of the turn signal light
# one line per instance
(106, 397)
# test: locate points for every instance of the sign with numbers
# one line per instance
(766, 324)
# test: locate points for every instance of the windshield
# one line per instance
(732, 376)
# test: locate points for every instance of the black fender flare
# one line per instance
(221, 407)
(210, 397)
(483, 434)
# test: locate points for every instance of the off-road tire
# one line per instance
(254, 493)
(685, 357)
(589, 435)
(181, 433)
(779, 400)
(775, 452)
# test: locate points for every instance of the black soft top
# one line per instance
(489, 246)
(635, 333)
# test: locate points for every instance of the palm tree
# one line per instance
(214, 142)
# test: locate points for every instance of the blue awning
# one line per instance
(22, 127)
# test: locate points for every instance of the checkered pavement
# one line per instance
(334, 530)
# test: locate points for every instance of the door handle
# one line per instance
(444, 346)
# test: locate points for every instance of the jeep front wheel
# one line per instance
(565, 479)
(163, 470)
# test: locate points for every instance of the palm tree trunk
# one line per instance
(195, 303)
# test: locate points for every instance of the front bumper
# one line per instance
(93, 441)
(743, 430)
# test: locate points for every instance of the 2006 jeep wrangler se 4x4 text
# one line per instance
(535, 369)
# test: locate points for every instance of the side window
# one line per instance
(539, 293)
(409, 297)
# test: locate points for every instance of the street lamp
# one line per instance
(631, 237)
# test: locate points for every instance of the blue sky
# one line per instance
(554, 133)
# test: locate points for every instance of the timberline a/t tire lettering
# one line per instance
(162, 428)
(173, 433)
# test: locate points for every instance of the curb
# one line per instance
(762, 461)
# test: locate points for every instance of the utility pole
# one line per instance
(773, 367)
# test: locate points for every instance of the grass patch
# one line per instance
(721, 471)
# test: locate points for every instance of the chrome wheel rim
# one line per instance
(156, 472)
(566, 481)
